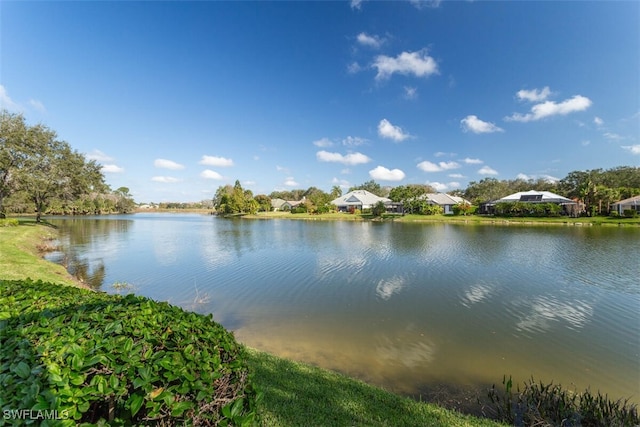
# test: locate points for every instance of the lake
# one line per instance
(434, 310)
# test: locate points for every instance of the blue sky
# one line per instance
(178, 98)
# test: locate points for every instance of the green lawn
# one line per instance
(297, 394)
(21, 248)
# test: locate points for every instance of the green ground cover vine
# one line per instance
(97, 358)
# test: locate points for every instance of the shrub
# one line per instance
(551, 405)
(299, 209)
(378, 209)
(428, 209)
(630, 213)
(9, 222)
(464, 209)
(100, 358)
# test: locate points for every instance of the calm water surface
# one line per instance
(416, 308)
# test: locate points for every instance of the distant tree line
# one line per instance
(41, 174)
(597, 189)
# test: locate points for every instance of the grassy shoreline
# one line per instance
(452, 219)
(294, 393)
(23, 248)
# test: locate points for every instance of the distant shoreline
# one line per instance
(451, 219)
(410, 218)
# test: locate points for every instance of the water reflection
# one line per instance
(387, 287)
(406, 347)
(476, 293)
(537, 314)
(81, 236)
(405, 306)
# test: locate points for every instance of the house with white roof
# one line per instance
(285, 205)
(533, 196)
(632, 203)
(358, 199)
(446, 201)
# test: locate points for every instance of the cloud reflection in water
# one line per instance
(544, 310)
(386, 288)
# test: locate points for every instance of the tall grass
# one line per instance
(540, 404)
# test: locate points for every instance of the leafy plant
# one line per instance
(9, 222)
(120, 360)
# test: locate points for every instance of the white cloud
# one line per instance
(290, 182)
(442, 154)
(37, 105)
(356, 4)
(612, 136)
(6, 102)
(165, 179)
(473, 161)
(410, 92)
(419, 4)
(370, 41)
(341, 182)
(98, 156)
(419, 64)
(524, 177)
(354, 68)
(550, 178)
(209, 174)
(456, 175)
(486, 170)
(387, 130)
(348, 159)
(448, 165)
(473, 124)
(383, 174)
(438, 186)
(323, 142)
(428, 166)
(167, 164)
(534, 95)
(282, 169)
(353, 141)
(634, 149)
(598, 121)
(112, 169)
(552, 108)
(216, 161)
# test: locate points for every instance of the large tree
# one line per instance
(372, 187)
(15, 148)
(230, 200)
(34, 162)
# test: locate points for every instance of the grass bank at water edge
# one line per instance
(22, 246)
(454, 219)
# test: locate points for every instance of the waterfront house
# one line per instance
(533, 196)
(446, 201)
(358, 199)
(284, 205)
(632, 203)
(276, 204)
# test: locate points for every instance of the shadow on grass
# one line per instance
(296, 394)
